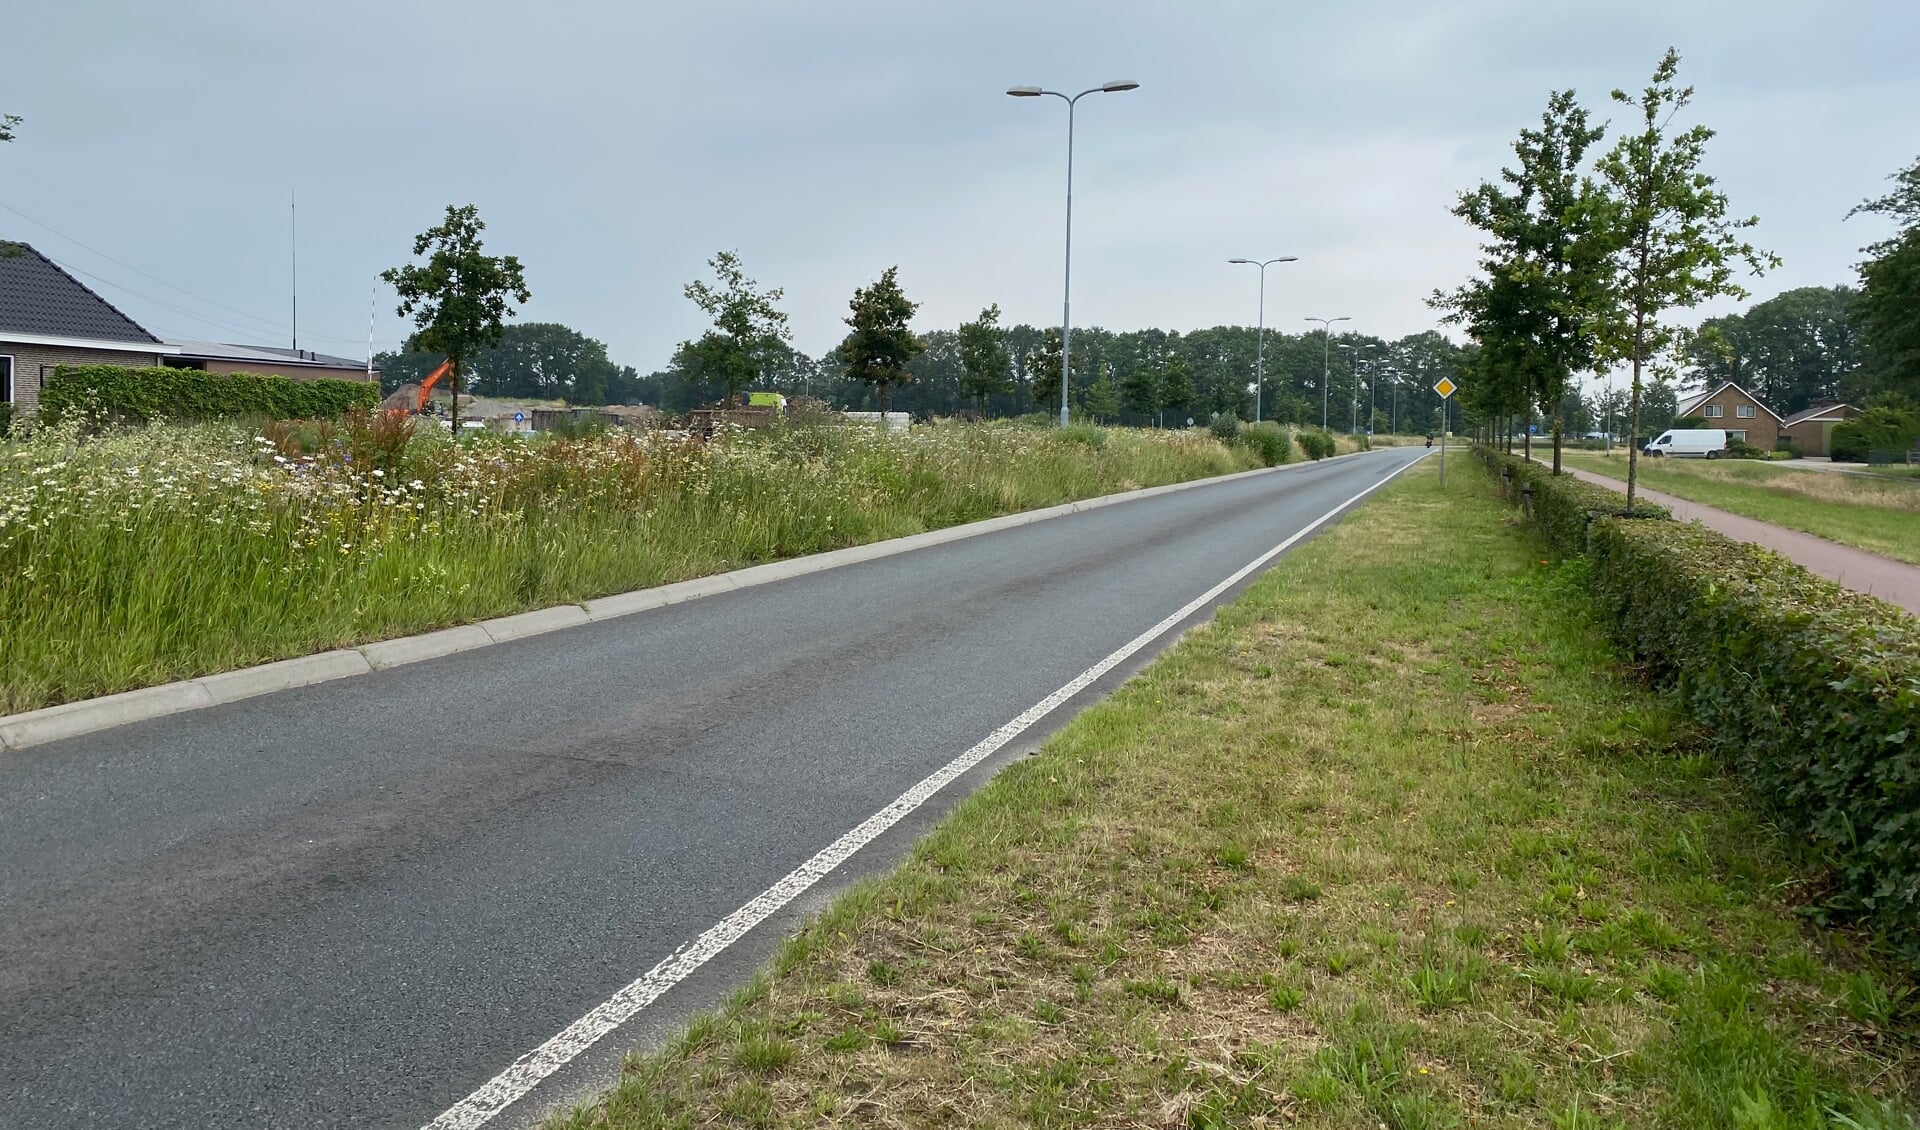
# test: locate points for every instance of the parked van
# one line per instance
(1705, 443)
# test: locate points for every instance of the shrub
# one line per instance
(1741, 449)
(1876, 429)
(1784, 448)
(1316, 445)
(6, 419)
(1811, 689)
(139, 395)
(1224, 425)
(1269, 441)
(1564, 508)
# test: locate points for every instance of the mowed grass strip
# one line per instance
(1879, 515)
(1390, 843)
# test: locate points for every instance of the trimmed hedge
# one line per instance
(1564, 508)
(1812, 690)
(139, 395)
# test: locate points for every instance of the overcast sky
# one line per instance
(615, 146)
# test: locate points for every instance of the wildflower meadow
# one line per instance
(141, 556)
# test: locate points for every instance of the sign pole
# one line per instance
(1445, 388)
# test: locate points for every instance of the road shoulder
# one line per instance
(1389, 842)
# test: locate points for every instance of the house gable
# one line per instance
(1726, 395)
(42, 304)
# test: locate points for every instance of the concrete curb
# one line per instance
(71, 719)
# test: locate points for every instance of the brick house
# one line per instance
(1738, 412)
(1812, 426)
(49, 318)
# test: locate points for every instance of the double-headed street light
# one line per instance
(1353, 363)
(1260, 338)
(1066, 305)
(1326, 351)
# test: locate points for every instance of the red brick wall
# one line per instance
(1762, 429)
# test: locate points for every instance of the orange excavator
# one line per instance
(426, 386)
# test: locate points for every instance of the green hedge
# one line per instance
(1812, 689)
(1877, 429)
(1564, 508)
(6, 418)
(138, 395)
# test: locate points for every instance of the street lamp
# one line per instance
(1353, 362)
(1260, 337)
(1326, 339)
(1066, 304)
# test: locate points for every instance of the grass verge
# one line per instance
(141, 557)
(1390, 843)
(1879, 517)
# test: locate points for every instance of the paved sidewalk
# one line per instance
(1895, 582)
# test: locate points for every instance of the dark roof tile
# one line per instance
(37, 297)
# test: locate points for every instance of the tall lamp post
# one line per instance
(1066, 305)
(1326, 351)
(1260, 335)
(1353, 362)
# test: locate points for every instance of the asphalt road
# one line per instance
(351, 904)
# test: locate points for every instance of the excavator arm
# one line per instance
(426, 386)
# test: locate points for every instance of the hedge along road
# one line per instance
(354, 904)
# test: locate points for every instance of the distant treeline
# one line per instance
(1136, 377)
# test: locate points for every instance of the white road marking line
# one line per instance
(526, 1073)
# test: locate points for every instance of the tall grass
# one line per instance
(140, 557)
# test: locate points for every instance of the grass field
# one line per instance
(1389, 844)
(1880, 517)
(142, 557)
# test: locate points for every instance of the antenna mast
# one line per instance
(293, 241)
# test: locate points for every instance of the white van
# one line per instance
(1706, 443)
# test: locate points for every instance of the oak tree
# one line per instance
(459, 297)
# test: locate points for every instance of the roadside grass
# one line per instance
(1392, 842)
(1880, 517)
(140, 557)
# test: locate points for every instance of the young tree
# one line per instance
(1676, 246)
(460, 295)
(1546, 261)
(983, 355)
(878, 349)
(1890, 303)
(749, 331)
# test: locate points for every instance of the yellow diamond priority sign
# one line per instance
(1445, 388)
